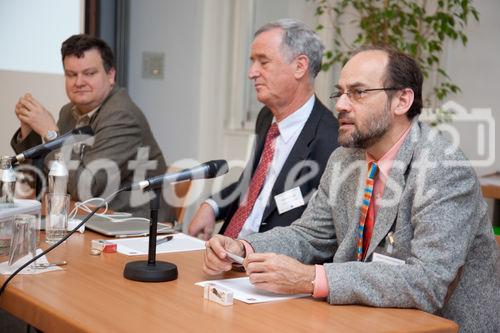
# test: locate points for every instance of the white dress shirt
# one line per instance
(289, 128)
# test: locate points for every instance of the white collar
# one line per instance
(296, 120)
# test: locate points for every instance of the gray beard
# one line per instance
(376, 130)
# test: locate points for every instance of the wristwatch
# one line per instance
(51, 135)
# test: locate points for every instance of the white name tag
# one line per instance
(377, 257)
(289, 200)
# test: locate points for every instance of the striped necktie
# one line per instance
(245, 208)
(367, 196)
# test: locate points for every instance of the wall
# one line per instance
(476, 69)
(171, 104)
(48, 89)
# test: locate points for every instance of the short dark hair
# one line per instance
(77, 44)
(402, 72)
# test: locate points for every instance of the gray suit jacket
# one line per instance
(120, 129)
(434, 206)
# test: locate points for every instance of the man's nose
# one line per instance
(253, 71)
(343, 104)
(79, 80)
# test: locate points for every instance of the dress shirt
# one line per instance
(290, 129)
(83, 119)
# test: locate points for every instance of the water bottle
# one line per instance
(7, 183)
(58, 175)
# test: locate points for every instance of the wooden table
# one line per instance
(91, 295)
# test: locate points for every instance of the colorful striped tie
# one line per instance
(367, 195)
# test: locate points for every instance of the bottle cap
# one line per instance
(58, 168)
(7, 174)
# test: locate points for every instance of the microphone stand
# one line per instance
(151, 270)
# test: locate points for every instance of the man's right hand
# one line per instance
(203, 222)
(216, 259)
(34, 116)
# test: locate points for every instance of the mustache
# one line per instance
(344, 117)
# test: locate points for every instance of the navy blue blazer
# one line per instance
(317, 140)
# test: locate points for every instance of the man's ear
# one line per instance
(403, 101)
(301, 66)
(111, 76)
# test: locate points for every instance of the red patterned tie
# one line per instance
(246, 206)
(365, 216)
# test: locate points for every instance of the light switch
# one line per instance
(152, 65)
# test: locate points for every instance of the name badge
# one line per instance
(377, 257)
(289, 200)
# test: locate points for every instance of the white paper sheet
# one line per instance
(6, 269)
(139, 245)
(244, 291)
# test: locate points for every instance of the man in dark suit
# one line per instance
(295, 134)
(123, 148)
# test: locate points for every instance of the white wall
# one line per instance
(32, 32)
(476, 69)
(46, 88)
(171, 104)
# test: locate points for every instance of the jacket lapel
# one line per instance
(386, 214)
(299, 152)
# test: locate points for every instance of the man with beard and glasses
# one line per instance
(398, 219)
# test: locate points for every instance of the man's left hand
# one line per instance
(279, 274)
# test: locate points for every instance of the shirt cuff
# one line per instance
(248, 248)
(320, 283)
(214, 206)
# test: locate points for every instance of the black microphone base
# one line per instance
(140, 270)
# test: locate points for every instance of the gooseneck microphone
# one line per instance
(76, 135)
(210, 169)
(160, 271)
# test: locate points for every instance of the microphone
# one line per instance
(76, 135)
(210, 169)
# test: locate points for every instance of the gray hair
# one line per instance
(298, 39)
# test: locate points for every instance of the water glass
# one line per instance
(23, 242)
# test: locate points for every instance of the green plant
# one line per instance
(418, 28)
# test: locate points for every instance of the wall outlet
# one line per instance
(153, 65)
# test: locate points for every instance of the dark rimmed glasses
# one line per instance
(356, 94)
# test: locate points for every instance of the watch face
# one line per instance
(51, 135)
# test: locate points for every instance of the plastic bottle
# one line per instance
(7, 182)
(58, 175)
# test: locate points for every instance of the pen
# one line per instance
(164, 240)
(51, 264)
(235, 258)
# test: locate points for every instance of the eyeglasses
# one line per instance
(356, 95)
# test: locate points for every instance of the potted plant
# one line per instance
(418, 28)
